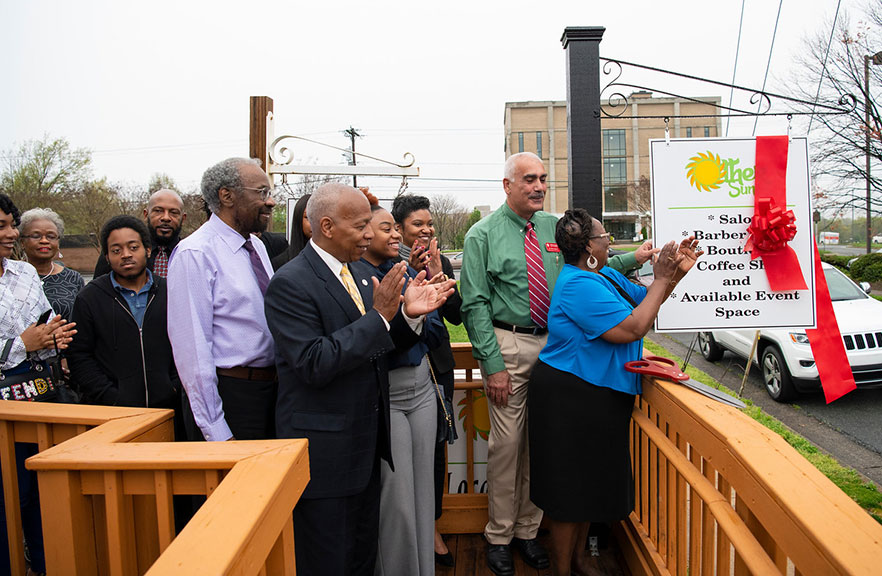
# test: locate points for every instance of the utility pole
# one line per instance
(352, 133)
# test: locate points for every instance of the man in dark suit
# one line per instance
(332, 328)
(165, 217)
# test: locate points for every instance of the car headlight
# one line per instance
(799, 337)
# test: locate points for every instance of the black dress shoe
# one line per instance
(533, 552)
(499, 560)
(445, 559)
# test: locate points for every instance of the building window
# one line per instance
(539, 144)
(707, 131)
(689, 132)
(615, 171)
(520, 141)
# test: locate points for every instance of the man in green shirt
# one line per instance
(507, 336)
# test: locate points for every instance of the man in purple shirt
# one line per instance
(216, 282)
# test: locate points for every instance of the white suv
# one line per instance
(785, 356)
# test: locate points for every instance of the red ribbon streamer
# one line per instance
(837, 379)
(773, 226)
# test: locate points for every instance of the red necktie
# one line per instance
(538, 286)
(160, 263)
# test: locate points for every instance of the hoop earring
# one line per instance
(592, 262)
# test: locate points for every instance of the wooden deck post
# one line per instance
(68, 530)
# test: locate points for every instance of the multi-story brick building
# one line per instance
(541, 127)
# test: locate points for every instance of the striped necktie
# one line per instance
(349, 284)
(538, 286)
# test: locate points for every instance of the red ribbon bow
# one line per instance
(772, 228)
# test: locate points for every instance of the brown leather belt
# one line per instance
(248, 373)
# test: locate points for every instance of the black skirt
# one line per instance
(580, 462)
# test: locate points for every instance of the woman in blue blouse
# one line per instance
(580, 396)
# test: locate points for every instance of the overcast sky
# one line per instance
(163, 86)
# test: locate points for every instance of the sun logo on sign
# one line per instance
(706, 171)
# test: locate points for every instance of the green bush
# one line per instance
(867, 268)
(840, 262)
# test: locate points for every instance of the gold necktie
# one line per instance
(349, 284)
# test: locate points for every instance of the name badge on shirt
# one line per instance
(551, 247)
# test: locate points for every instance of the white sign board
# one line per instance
(704, 187)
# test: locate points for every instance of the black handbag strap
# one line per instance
(620, 290)
(6, 349)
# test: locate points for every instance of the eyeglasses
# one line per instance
(36, 236)
(264, 191)
(604, 235)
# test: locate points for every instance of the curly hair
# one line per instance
(49, 214)
(124, 221)
(572, 233)
(406, 204)
(224, 174)
(8, 207)
(372, 200)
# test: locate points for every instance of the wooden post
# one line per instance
(10, 497)
(258, 126)
(257, 147)
(584, 163)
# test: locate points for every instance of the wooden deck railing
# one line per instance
(716, 493)
(106, 493)
(465, 513)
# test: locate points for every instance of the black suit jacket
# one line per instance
(333, 378)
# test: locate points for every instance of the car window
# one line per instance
(841, 288)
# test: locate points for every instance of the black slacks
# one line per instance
(338, 536)
(249, 409)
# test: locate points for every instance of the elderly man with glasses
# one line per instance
(216, 283)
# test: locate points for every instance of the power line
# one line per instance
(735, 67)
(824, 67)
(768, 65)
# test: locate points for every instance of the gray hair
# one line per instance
(224, 174)
(324, 202)
(29, 216)
(511, 163)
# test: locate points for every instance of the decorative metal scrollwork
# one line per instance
(281, 155)
(617, 103)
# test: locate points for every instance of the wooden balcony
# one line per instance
(716, 493)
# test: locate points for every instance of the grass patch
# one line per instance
(848, 480)
(457, 333)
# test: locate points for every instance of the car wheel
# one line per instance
(709, 347)
(776, 377)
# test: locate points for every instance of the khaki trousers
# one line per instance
(511, 512)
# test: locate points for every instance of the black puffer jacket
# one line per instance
(115, 363)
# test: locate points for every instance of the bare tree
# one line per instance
(640, 201)
(450, 218)
(838, 142)
(87, 209)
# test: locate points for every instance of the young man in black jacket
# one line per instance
(122, 355)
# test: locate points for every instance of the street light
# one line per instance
(876, 59)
